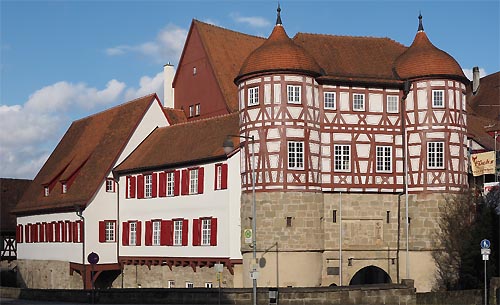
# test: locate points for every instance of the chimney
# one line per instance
(168, 90)
(475, 79)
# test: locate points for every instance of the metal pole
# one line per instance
(340, 238)
(406, 203)
(485, 286)
(254, 227)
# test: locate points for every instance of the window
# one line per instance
(220, 177)
(191, 111)
(132, 233)
(156, 232)
(388, 216)
(293, 92)
(438, 98)
(131, 186)
(110, 185)
(19, 233)
(295, 155)
(342, 158)
(107, 231)
(358, 102)
(78, 231)
(205, 232)
(194, 71)
(289, 222)
(64, 188)
(171, 284)
(384, 156)
(392, 103)
(170, 183)
(253, 96)
(177, 232)
(69, 231)
(46, 191)
(329, 100)
(148, 186)
(435, 155)
(197, 109)
(208, 285)
(193, 181)
(189, 285)
(334, 216)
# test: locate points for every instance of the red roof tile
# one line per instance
(185, 143)
(487, 100)
(11, 191)
(85, 155)
(175, 116)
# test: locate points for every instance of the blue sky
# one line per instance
(64, 60)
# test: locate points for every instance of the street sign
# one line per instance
(219, 268)
(486, 254)
(247, 233)
(485, 244)
(93, 258)
(254, 275)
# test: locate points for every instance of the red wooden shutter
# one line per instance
(128, 187)
(138, 233)
(162, 189)
(58, 231)
(216, 175)
(53, 232)
(19, 234)
(154, 178)
(34, 233)
(213, 232)
(196, 232)
(125, 233)
(164, 230)
(170, 232)
(185, 231)
(27, 232)
(185, 182)
(177, 181)
(140, 186)
(80, 223)
(69, 232)
(42, 230)
(102, 231)
(200, 180)
(75, 232)
(149, 233)
(224, 177)
(133, 186)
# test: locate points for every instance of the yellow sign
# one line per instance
(483, 163)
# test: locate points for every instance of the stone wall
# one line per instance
(47, 275)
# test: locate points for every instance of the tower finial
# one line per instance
(420, 25)
(278, 19)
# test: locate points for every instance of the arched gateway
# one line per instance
(370, 275)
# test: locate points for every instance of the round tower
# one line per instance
(279, 107)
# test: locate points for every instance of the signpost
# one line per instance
(485, 252)
(93, 259)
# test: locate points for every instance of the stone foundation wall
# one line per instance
(47, 275)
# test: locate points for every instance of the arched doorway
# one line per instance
(370, 275)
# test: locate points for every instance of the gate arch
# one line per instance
(370, 275)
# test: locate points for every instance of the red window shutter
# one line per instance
(177, 181)
(53, 231)
(138, 233)
(35, 232)
(170, 233)
(43, 231)
(185, 182)
(164, 232)
(196, 232)
(162, 189)
(140, 186)
(19, 234)
(69, 231)
(127, 183)
(81, 230)
(149, 233)
(58, 231)
(102, 231)
(75, 232)
(224, 177)
(213, 232)
(154, 178)
(133, 186)
(125, 233)
(27, 233)
(185, 231)
(200, 180)
(216, 174)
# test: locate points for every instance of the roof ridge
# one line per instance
(202, 120)
(226, 29)
(114, 107)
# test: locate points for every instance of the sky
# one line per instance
(64, 60)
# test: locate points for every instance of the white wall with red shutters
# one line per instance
(220, 204)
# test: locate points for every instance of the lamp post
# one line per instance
(229, 147)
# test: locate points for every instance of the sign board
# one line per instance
(219, 268)
(93, 258)
(485, 244)
(483, 163)
(254, 275)
(247, 233)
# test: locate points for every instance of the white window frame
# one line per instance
(170, 184)
(209, 285)
(295, 155)
(438, 98)
(61, 225)
(294, 94)
(206, 230)
(156, 232)
(110, 185)
(67, 228)
(191, 111)
(384, 159)
(177, 232)
(148, 186)
(193, 181)
(197, 109)
(330, 100)
(132, 235)
(341, 159)
(64, 188)
(46, 191)
(219, 176)
(109, 231)
(358, 102)
(392, 104)
(171, 284)
(79, 231)
(435, 155)
(189, 284)
(253, 96)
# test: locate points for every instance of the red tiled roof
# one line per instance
(487, 100)
(11, 191)
(226, 50)
(279, 53)
(175, 116)
(423, 59)
(182, 144)
(85, 155)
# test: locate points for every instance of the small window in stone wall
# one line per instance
(189, 285)
(171, 284)
(388, 216)
(334, 216)
(289, 221)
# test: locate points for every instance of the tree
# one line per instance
(465, 220)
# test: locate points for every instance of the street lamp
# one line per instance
(228, 148)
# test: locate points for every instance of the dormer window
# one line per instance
(197, 109)
(191, 111)
(64, 188)
(46, 191)
(110, 185)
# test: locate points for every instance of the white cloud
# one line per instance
(166, 47)
(257, 22)
(468, 73)
(29, 132)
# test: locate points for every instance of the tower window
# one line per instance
(294, 94)
(253, 96)
(438, 98)
(295, 155)
(358, 102)
(392, 103)
(329, 100)
(435, 155)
